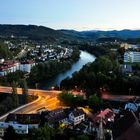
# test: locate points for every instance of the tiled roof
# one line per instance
(106, 114)
(55, 116)
(27, 62)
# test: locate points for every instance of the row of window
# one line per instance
(80, 117)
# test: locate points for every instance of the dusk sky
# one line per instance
(72, 14)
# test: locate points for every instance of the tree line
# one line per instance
(4, 51)
(93, 101)
(104, 73)
(47, 133)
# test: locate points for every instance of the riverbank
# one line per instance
(99, 49)
(85, 58)
(41, 72)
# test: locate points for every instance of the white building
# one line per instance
(131, 106)
(19, 128)
(11, 66)
(77, 116)
(8, 66)
(26, 66)
(131, 57)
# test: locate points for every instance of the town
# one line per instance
(72, 121)
(79, 120)
(69, 70)
(28, 57)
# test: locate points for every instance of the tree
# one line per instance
(94, 102)
(107, 136)
(14, 89)
(66, 98)
(15, 76)
(2, 109)
(71, 100)
(24, 91)
(4, 51)
(15, 95)
(9, 103)
(43, 133)
(10, 134)
(71, 138)
(82, 137)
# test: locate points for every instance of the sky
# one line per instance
(72, 14)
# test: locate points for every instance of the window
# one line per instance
(77, 118)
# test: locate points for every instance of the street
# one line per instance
(108, 96)
(47, 99)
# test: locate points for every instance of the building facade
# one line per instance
(77, 116)
(8, 66)
(11, 66)
(131, 57)
(19, 128)
(26, 66)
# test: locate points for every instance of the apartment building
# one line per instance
(131, 57)
(11, 66)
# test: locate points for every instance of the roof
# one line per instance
(8, 64)
(106, 114)
(27, 62)
(126, 127)
(131, 106)
(24, 118)
(55, 116)
(78, 112)
(56, 111)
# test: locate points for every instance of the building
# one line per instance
(106, 115)
(125, 45)
(19, 128)
(8, 66)
(56, 116)
(126, 126)
(11, 66)
(131, 106)
(77, 116)
(131, 57)
(32, 120)
(26, 66)
(126, 69)
(59, 115)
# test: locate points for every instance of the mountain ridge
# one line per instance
(35, 32)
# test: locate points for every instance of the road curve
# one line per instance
(46, 99)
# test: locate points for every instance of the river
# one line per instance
(85, 58)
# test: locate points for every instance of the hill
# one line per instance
(42, 33)
(94, 35)
(32, 32)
